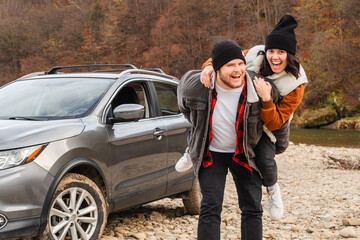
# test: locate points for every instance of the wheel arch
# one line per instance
(81, 166)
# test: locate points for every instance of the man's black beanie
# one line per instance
(224, 51)
(282, 36)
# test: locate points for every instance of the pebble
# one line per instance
(351, 222)
(271, 234)
(139, 236)
(296, 228)
(348, 232)
(286, 227)
(326, 235)
(322, 201)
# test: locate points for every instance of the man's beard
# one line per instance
(229, 83)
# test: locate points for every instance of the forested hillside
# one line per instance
(177, 35)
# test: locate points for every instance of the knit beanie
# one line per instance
(224, 51)
(282, 36)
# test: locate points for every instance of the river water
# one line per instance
(326, 137)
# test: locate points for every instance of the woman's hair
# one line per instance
(293, 65)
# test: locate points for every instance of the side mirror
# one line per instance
(128, 112)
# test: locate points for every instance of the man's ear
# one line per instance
(214, 78)
(217, 74)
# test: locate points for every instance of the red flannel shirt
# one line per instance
(239, 151)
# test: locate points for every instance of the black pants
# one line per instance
(265, 160)
(212, 183)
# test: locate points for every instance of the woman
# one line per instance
(277, 62)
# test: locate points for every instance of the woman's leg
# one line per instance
(265, 160)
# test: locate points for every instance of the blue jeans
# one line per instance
(265, 160)
(212, 183)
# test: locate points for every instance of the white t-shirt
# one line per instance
(224, 119)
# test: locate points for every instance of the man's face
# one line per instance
(232, 74)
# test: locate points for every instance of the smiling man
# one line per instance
(232, 74)
(226, 126)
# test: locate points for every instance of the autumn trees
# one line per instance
(178, 35)
(331, 50)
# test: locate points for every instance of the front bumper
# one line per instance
(23, 191)
(24, 227)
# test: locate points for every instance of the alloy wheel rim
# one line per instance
(73, 215)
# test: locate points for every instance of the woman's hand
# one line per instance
(206, 76)
(263, 89)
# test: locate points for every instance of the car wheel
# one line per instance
(78, 210)
(192, 202)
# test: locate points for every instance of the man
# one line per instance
(226, 126)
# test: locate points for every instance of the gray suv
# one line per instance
(77, 146)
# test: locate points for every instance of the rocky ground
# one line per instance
(321, 193)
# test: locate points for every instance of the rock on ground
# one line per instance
(321, 198)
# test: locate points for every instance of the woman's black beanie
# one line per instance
(224, 51)
(282, 36)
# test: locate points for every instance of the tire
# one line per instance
(192, 202)
(78, 210)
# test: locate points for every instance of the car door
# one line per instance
(177, 128)
(139, 151)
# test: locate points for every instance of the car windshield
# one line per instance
(45, 99)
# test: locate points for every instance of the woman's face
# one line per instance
(277, 59)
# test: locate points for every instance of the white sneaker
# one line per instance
(276, 206)
(184, 162)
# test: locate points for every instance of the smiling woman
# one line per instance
(277, 59)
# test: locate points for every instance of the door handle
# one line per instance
(158, 133)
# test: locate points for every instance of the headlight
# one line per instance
(16, 157)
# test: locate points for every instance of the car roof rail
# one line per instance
(128, 69)
(53, 70)
(109, 71)
(148, 72)
(34, 74)
(155, 70)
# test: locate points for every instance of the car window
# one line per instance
(167, 98)
(132, 93)
(56, 98)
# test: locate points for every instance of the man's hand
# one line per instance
(263, 89)
(206, 76)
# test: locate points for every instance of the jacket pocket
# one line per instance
(196, 104)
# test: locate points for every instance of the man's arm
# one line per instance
(190, 91)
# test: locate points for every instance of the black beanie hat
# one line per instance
(225, 51)
(282, 36)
